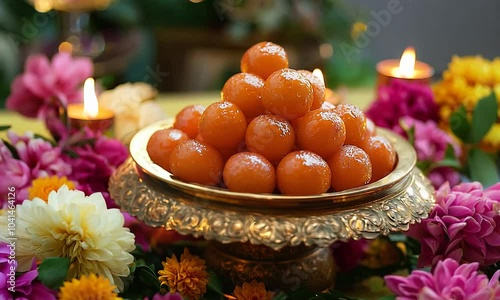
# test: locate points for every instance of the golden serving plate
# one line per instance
(271, 237)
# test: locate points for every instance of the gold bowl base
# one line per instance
(286, 269)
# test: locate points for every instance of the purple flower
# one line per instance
(448, 281)
(95, 164)
(44, 84)
(13, 173)
(464, 225)
(167, 296)
(42, 157)
(399, 99)
(349, 254)
(23, 285)
(430, 144)
(37, 158)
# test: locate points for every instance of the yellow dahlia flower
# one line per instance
(75, 226)
(41, 187)
(187, 277)
(90, 287)
(252, 291)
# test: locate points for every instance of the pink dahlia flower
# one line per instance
(448, 281)
(464, 225)
(40, 155)
(94, 165)
(399, 99)
(430, 144)
(37, 158)
(45, 84)
(25, 286)
(14, 173)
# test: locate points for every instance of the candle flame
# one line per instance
(407, 63)
(319, 74)
(90, 105)
(66, 47)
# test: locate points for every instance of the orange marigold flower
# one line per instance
(187, 277)
(252, 291)
(41, 187)
(88, 288)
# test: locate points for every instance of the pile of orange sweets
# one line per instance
(273, 132)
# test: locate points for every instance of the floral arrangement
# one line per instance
(70, 241)
(466, 81)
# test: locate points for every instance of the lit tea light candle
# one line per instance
(89, 114)
(407, 68)
(330, 96)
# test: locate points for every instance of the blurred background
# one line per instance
(195, 45)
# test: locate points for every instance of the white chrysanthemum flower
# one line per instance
(73, 225)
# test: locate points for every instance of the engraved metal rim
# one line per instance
(405, 163)
(156, 207)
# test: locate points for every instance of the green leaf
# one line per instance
(281, 296)
(460, 125)
(5, 127)
(482, 167)
(53, 271)
(483, 117)
(214, 283)
(148, 276)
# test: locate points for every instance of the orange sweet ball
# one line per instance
(188, 119)
(197, 162)
(351, 167)
(355, 124)
(270, 135)
(263, 59)
(302, 173)
(382, 156)
(249, 172)
(288, 94)
(244, 90)
(318, 88)
(162, 143)
(321, 131)
(223, 125)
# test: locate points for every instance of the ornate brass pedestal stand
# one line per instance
(281, 240)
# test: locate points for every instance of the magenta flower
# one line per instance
(46, 84)
(42, 157)
(430, 144)
(167, 296)
(399, 99)
(94, 165)
(25, 286)
(464, 225)
(37, 158)
(13, 173)
(349, 254)
(448, 281)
